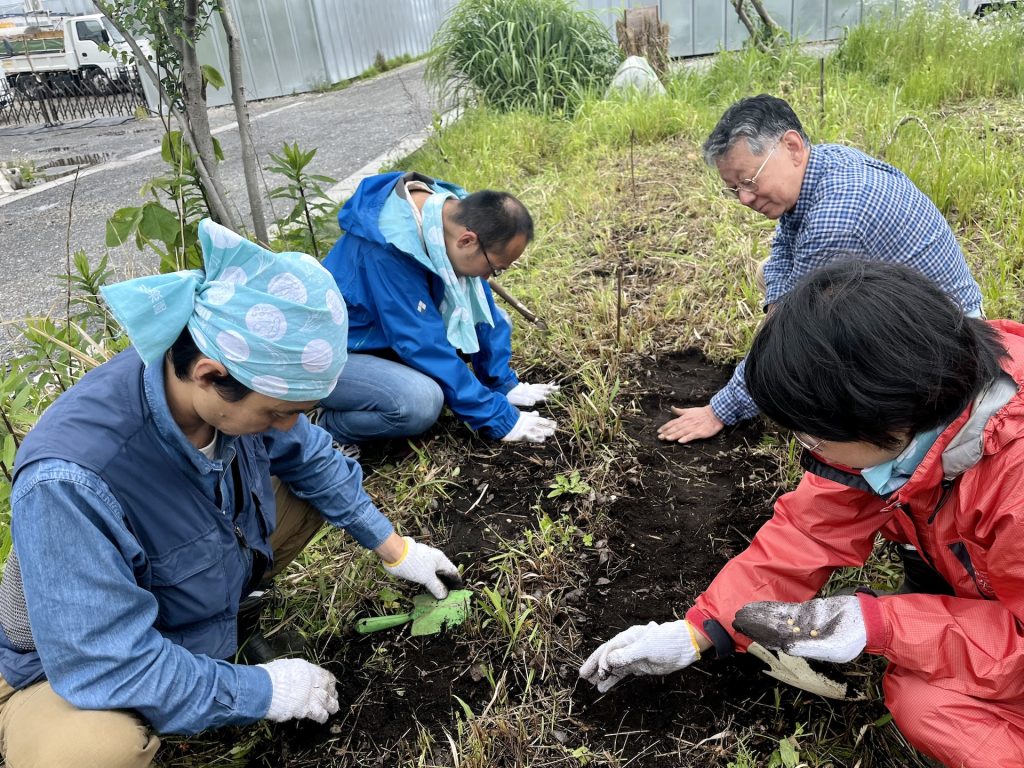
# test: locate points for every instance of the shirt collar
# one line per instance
(187, 456)
(812, 175)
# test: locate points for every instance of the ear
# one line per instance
(794, 145)
(206, 371)
(467, 239)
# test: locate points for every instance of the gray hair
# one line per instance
(761, 120)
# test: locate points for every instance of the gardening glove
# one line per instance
(530, 427)
(525, 395)
(652, 649)
(427, 566)
(301, 690)
(827, 629)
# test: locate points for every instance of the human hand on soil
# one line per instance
(525, 395)
(827, 629)
(531, 427)
(300, 690)
(427, 566)
(652, 649)
(691, 424)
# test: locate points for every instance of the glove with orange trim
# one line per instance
(426, 565)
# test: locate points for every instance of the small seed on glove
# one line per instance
(790, 622)
(814, 633)
(796, 630)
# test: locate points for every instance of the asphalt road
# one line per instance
(349, 128)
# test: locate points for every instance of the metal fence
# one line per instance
(61, 98)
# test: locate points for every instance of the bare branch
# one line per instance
(249, 165)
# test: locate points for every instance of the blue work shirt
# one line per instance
(93, 624)
(853, 206)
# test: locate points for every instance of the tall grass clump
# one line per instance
(938, 56)
(545, 56)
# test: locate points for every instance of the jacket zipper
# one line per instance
(947, 489)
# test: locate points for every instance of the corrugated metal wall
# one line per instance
(293, 46)
(699, 27)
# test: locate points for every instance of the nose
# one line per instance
(747, 197)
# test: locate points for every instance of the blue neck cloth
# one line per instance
(892, 475)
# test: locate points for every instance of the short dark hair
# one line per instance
(183, 355)
(495, 217)
(761, 120)
(862, 351)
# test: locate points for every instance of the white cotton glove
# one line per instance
(301, 690)
(531, 427)
(427, 566)
(652, 649)
(523, 394)
(827, 629)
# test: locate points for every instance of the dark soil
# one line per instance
(677, 513)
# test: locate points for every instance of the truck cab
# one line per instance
(62, 52)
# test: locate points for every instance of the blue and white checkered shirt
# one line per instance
(853, 206)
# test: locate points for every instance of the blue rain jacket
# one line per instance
(393, 304)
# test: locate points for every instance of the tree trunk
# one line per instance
(218, 206)
(766, 18)
(761, 32)
(194, 96)
(249, 165)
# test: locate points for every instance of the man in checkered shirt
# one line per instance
(832, 202)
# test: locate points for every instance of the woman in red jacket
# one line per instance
(911, 416)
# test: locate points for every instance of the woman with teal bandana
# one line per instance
(161, 490)
(413, 266)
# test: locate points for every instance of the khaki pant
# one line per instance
(38, 729)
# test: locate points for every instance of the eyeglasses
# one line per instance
(490, 264)
(749, 185)
(806, 444)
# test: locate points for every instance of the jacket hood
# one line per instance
(994, 419)
(361, 215)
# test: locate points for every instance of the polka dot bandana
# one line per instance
(276, 321)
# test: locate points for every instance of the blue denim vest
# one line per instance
(199, 551)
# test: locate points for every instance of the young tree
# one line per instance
(175, 27)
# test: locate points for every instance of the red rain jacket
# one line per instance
(963, 509)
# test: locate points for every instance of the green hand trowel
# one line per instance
(428, 616)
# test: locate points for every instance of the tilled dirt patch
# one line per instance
(671, 518)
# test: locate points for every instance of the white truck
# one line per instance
(60, 53)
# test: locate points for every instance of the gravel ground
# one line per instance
(349, 128)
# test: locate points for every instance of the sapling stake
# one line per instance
(618, 304)
(517, 305)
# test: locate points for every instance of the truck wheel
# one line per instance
(98, 82)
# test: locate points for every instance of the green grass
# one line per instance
(619, 189)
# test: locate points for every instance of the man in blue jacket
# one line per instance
(157, 492)
(413, 267)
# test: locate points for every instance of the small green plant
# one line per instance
(540, 55)
(308, 196)
(172, 232)
(788, 754)
(572, 485)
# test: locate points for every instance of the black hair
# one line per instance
(495, 217)
(761, 120)
(866, 351)
(183, 355)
